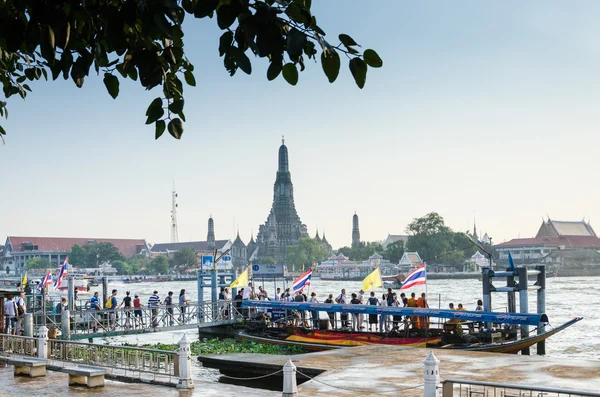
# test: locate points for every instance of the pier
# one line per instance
(84, 323)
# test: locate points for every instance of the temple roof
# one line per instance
(552, 228)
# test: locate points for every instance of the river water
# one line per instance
(566, 297)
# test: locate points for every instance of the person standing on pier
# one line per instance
(126, 303)
(153, 302)
(21, 311)
(169, 304)
(112, 305)
(137, 311)
(10, 316)
(355, 316)
(383, 323)
(94, 306)
(183, 301)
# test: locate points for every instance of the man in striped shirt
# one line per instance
(153, 302)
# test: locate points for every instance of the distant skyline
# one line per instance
(482, 109)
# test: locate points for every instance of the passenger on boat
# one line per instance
(277, 295)
(341, 299)
(396, 318)
(302, 314)
(422, 322)
(383, 323)
(373, 301)
(314, 313)
(355, 316)
(331, 315)
(452, 325)
(361, 319)
(412, 302)
(238, 302)
(404, 301)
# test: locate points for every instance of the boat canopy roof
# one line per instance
(464, 315)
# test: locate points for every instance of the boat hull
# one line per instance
(328, 340)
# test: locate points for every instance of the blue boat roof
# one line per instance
(464, 315)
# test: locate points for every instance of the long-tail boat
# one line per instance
(456, 329)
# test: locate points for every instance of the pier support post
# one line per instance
(541, 304)
(28, 324)
(214, 285)
(104, 290)
(431, 375)
(523, 303)
(71, 293)
(486, 278)
(43, 342)
(290, 386)
(185, 364)
(200, 295)
(65, 325)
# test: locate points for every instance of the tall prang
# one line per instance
(283, 227)
(210, 237)
(355, 231)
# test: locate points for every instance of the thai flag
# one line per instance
(47, 280)
(416, 277)
(302, 281)
(61, 274)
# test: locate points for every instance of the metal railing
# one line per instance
(471, 388)
(21, 345)
(129, 359)
(88, 321)
(124, 359)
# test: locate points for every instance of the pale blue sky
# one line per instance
(485, 108)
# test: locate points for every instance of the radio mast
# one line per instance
(174, 235)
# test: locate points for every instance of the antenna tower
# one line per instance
(174, 235)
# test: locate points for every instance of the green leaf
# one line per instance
(175, 128)
(358, 68)
(189, 78)
(347, 40)
(274, 69)
(225, 42)
(331, 64)
(242, 60)
(112, 84)
(290, 73)
(155, 111)
(160, 128)
(176, 106)
(2, 131)
(372, 59)
(226, 15)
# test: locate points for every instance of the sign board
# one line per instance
(268, 271)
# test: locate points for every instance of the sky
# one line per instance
(485, 110)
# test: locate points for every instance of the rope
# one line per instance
(252, 378)
(360, 390)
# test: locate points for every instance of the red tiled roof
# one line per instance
(127, 247)
(566, 241)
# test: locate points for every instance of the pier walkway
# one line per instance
(85, 323)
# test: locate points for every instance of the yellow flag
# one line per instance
(373, 280)
(241, 280)
(24, 282)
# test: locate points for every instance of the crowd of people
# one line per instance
(356, 322)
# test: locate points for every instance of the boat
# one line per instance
(393, 282)
(79, 283)
(462, 330)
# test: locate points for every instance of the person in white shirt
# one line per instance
(361, 319)
(277, 295)
(10, 316)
